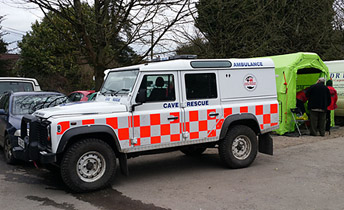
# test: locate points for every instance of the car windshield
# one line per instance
(119, 82)
(15, 86)
(27, 104)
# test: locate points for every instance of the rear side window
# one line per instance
(200, 86)
(4, 102)
(15, 86)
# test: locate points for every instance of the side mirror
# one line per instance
(140, 99)
(2, 112)
(141, 96)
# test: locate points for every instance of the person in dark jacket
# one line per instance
(333, 105)
(318, 100)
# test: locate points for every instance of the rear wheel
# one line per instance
(9, 158)
(88, 165)
(239, 148)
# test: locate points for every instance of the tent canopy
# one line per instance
(295, 72)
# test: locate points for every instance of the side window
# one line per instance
(74, 97)
(2, 100)
(4, 103)
(71, 97)
(200, 86)
(158, 88)
(78, 97)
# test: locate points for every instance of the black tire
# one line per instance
(9, 158)
(239, 148)
(193, 150)
(88, 165)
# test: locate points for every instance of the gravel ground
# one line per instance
(293, 139)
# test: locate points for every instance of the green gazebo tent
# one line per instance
(295, 72)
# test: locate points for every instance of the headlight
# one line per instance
(17, 133)
(28, 129)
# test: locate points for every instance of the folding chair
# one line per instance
(296, 112)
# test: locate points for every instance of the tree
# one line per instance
(129, 21)
(196, 45)
(3, 49)
(3, 44)
(339, 27)
(253, 28)
(55, 58)
(51, 58)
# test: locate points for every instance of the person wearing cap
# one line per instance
(318, 100)
(333, 105)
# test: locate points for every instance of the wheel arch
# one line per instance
(105, 133)
(247, 119)
(9, 130)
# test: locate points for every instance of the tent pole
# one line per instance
(286, 95)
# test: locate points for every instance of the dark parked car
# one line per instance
(13, 106)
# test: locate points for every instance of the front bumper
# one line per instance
(33, 147)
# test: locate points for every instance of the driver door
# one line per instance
(157, 120)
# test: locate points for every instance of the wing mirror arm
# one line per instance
(135, 105)
(140, 99)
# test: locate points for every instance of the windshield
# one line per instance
(119, 82)
(15, 86)
(27, 104)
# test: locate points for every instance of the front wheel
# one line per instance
(88, 165)
(9, 158)
(239, 148)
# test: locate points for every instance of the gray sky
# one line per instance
(17, 21)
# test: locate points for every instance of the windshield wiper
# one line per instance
(122, 90)
(113, 92)
(107, 91)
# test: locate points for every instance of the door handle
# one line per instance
(213, 114)
(172, 118)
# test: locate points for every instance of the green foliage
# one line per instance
(251, 28)
(3, 49)
(3, 46)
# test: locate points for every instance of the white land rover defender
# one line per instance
(186, 105)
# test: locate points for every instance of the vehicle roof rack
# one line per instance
(175, 57)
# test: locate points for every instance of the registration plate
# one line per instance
(21, 143)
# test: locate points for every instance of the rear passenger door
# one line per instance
(201, 105)
(158, 120)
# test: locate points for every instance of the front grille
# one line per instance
(38, 131)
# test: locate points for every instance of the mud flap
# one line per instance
(123, 164)
(265, 144)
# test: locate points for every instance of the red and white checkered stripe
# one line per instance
(200, 125)
(155, 129)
